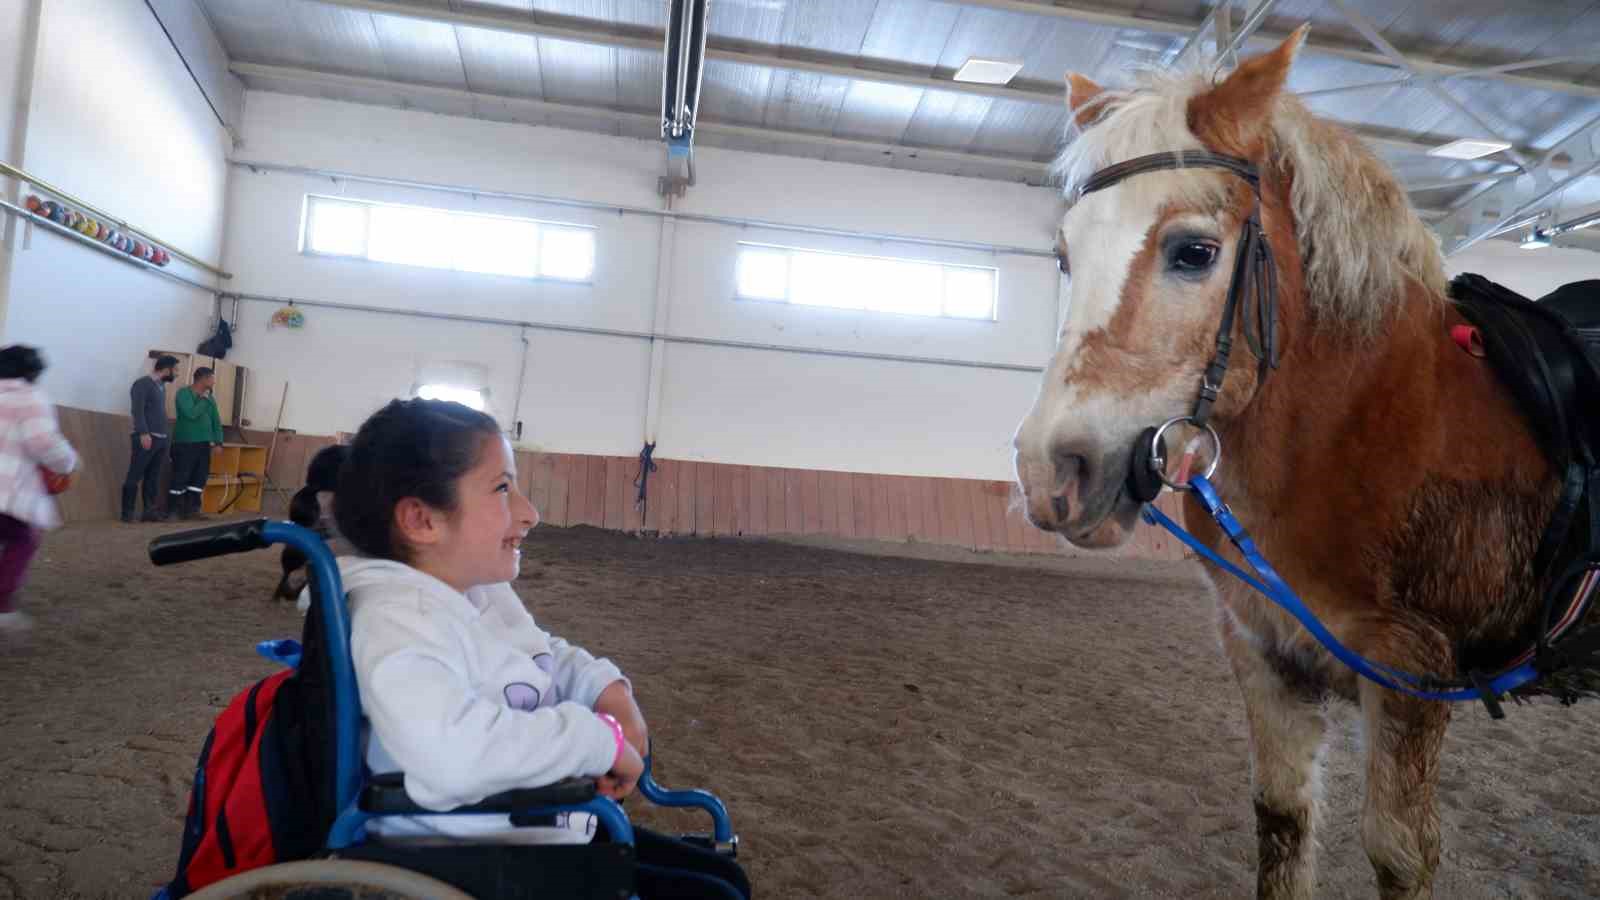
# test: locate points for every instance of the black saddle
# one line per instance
(1548, 354)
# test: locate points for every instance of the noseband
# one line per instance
(1254, 287)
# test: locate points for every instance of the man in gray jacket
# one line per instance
(148, 398)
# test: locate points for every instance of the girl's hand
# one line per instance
(624, 775)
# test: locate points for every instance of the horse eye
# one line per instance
(1193, 257)
(1061, 262)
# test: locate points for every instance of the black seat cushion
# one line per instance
(598, 871)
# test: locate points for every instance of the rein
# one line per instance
(1254, 286)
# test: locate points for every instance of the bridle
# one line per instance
(1254, 288)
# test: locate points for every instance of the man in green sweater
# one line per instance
(198, 429)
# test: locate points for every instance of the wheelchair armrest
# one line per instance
(386, 795)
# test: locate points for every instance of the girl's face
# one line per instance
(480, 542)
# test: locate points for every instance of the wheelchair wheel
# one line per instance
(330, 879)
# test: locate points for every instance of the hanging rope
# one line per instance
(647, 464)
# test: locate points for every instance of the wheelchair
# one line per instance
(349, 865)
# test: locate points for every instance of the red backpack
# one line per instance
(255, 796)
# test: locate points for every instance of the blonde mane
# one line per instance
(1360, 240)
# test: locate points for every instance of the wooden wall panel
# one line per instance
(650, 520)
(828, 501)
(1016, 541)
(686, 476)
(899, 505)
(991, 500)
(916, 527)
(949, 525)
(741, 500)
(777, 501)
(579, 509)
(705, 496)
(929, 489)
(523, 460)
(861, 505)
(794, 506)
(556, 499)
(756, 479)
(544, 468)
(981, 539)
(724, 519)
(844, 504)
(661, 511)
(810, 502)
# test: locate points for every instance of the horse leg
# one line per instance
(1400, 822)
(1287, 734)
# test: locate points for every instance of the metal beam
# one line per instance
(319, 78)
(1371, 33)
(1439, 66)
(1463, 181)
(1227, 41)
(1489, 211)
(1416, 77)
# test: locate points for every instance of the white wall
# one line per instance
(588, 394)
(1531, 273)
(115, 119)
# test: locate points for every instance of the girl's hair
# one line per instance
(410, 448)
(21, 361)
(305, 510)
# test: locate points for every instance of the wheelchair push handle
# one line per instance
(204, 543)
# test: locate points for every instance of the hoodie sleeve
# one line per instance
(579, 676)
(454, 746)
(41, 435)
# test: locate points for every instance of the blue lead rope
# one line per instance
(1273, 587)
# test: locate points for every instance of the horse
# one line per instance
(1387, 474)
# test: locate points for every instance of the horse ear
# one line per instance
(1234, 114)
(1080, 91)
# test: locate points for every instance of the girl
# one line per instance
(461, 690)
(29, 439)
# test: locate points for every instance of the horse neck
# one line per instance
(1340, 403)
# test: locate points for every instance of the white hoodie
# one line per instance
(468, 697)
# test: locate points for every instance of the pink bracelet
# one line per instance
(616, 732)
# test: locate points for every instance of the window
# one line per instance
(464, 396)
(443, 239)
(872, 283)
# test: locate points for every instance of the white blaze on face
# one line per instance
(1104, 233)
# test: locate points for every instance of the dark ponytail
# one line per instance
(410, 448)
(305, 510)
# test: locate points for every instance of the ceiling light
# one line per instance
(1536, 240)
(987, 71)
(1469, 149)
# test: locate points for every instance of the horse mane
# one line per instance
(1361, 242)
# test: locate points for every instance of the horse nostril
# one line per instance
(1059, 504)
(1069, 469)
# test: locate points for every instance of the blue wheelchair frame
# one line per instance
(349, 775)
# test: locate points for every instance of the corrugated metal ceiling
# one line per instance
(927, 38)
